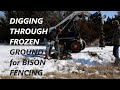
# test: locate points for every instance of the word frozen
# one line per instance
(29, 31)
(24, 41)
(26, 20)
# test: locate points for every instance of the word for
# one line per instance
(29, 31)
(27, 62)
(24, 41)
(26, 51)
(26, 20)
(26, 72)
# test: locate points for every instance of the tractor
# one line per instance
(70, 37)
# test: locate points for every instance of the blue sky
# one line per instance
(108, 13)
(1, 13)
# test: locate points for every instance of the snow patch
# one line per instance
(103, 56)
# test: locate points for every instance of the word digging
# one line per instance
(26, 20)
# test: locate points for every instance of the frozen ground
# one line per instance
(90, 56)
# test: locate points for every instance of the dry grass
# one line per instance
(14, 77)
(7, 77)
(97, 72)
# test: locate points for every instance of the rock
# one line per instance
(66, 55)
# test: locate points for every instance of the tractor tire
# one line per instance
(83, 45)
(75, 47)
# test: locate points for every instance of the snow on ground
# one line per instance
(85, 57)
